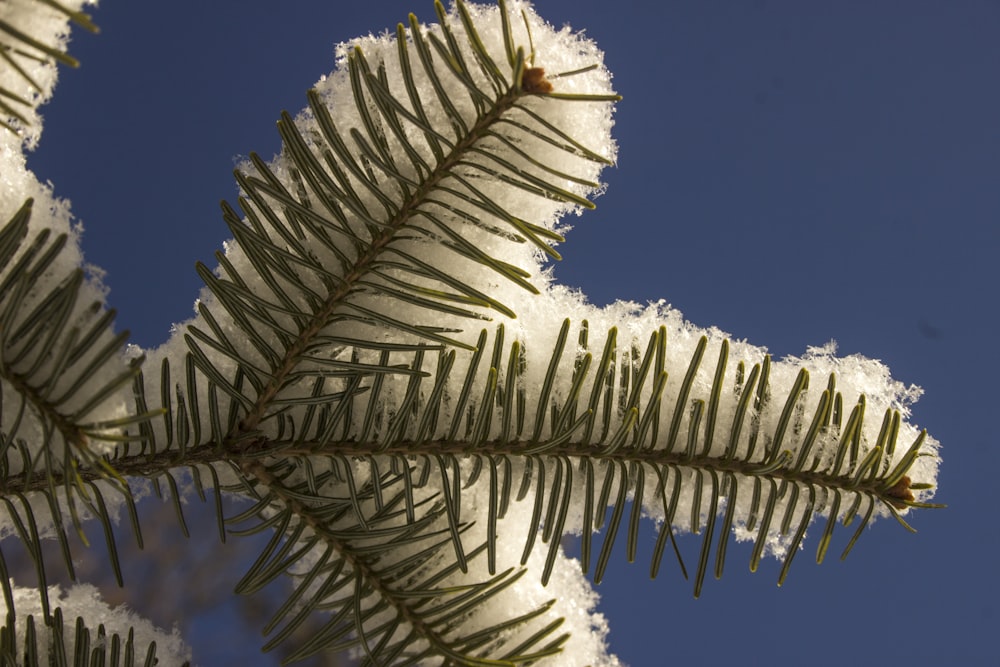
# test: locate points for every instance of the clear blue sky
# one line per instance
(790, 172)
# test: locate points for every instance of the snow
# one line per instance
(461, 209)
(84, 600)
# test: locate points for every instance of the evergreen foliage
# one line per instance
(411, 413)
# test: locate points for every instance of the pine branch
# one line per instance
(407, 464)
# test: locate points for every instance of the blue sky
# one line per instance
(790, 172)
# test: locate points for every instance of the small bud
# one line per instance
(533, 81)
(900, 493)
